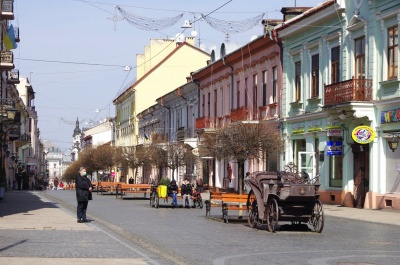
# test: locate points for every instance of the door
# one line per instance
(360, 173)
(307, 163)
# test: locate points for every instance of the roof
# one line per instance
(305, 15)
(157, 66)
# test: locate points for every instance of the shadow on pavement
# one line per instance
(22, 201)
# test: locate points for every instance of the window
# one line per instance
(335, 65)
(393, 50)
(298, 146)
(335, 167)
(359, 58)
(315, 75)
(255, 94)
(246, 92)
(264, 88)
(208, 105)
(215, 104)
(222, 101)
(202, 104)
(297, 86)
(238, 94)
(179, 118)
(274, 82)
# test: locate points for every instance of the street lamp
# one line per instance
(393, 143)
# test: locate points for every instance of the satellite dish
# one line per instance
(223, 50)
(179, 37)
(193, 33)
(213, 56)
(253, 37)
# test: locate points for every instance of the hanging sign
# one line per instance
(363, 134)
(334, 148)
(334, 132)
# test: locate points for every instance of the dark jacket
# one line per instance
(172, 187)
(82, 185)
(186, 189)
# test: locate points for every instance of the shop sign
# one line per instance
(390, 116)
(335, 132)
(334, 148)
(363, 134)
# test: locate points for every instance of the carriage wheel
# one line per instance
(156, 200)
(272, 214)
(200, 204)
(252, 210)
(317, 219)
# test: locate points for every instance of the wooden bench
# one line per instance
(106, 187)
(228, 201)
(123, 189)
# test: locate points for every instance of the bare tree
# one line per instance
(105, 157)
(170, 155)
(71, 172)
(243, 141)
(178, 155)
(134, 157)
(87, 160)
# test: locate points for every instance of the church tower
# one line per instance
(76, 139)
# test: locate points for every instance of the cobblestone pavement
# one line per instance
(42, 225)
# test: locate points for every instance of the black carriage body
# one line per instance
(295, 199)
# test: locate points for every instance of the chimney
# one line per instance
(291, 12)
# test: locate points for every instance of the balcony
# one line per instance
(7, 9)
(25, 137)
(238, 114)
(6, 60)
(205, 122)
(347, 91)
(13, 76)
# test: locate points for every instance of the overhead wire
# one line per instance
(160, 53)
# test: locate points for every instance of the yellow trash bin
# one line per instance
(162, 191)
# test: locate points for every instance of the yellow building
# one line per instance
(162, 68)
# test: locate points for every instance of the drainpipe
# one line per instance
(232, 83)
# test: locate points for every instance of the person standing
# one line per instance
(56, 183)
(186, 191)
(83, 194)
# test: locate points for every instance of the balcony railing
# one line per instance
(205, 122)
(6, 60)
(238, 114)
(7, 9)
(347, 91)
(13, 76)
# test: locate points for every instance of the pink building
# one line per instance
(244, 83)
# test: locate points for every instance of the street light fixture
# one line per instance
(393, 143)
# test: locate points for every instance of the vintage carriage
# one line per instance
(284, 196)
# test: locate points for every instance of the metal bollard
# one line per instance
(225, 212)
(208, 208)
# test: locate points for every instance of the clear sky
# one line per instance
(74, 52)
